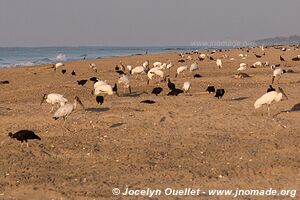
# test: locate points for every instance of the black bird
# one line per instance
(257, 56)
(24, 135)
(94, 79)
(211, 89)
(200, 59)
(175, 92)
(148, 101)
(115, 89)
(281, 58)
(171, 85)
(296, 58)
(290, 71)
(82, 82)
(4, 82)
(181, 60)
(73, 73)
(157, 90)
(220, 93)
(100, 99)
(197, 76)
(63, 71)
(270, 89)
(117, 68)
(211, 58)
(120, 72)
(247, 51)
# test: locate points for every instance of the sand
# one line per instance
(187, 141)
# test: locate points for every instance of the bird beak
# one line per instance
(283, 93)
(43, 99)
(129, 89)
(81, 104)
(79, 101)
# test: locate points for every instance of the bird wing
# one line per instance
(265, 99)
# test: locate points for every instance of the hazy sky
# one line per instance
(143, 22)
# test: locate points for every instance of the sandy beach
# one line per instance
(186, 141)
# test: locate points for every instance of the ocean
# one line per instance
(29, 56)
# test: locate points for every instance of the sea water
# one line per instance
(29, 56)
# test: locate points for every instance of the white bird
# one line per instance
(241, 55)
(163, 66)
(155, 71)
(121, 66)
(202, 55)
(129, 67)
(157, 64)
(194, 67)
(225, 56)
(186, 86)
(104, 88)
(93, 66)
(266, 63)
(99, 83)
(53, 99)
(189, 58)
(257, 64)
(277, 72)
(242, 67)
(180, 70)
(57, 65)
(146, 64)
(137, 70)
(65, 110)
(124, 80)
(169, 65)
(268, 98)
(219, 63)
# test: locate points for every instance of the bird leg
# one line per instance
(278, 80)
(269, 110)
(273, 79)
(63, 126)
(51, 109)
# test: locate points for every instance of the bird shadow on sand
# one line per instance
(133, 94)
(116, 125)
(295, 108)
(101, 109)
(238, 98)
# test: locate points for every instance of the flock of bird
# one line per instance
(158, 71)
